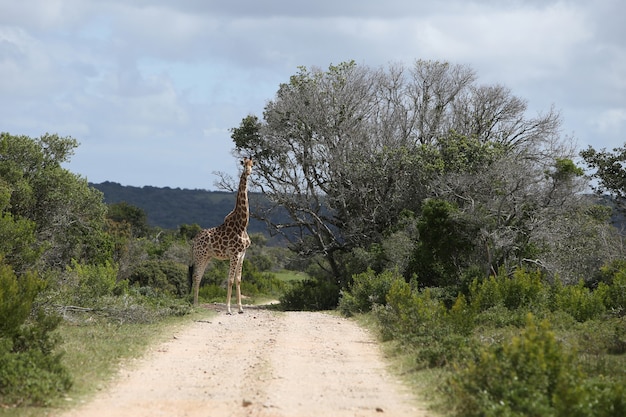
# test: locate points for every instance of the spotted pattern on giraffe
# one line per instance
(229, 240)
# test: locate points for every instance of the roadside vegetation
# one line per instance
(506, 345)
(415, 198)
(84, 284)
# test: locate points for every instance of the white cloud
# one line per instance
(612, 120)
(147, 84)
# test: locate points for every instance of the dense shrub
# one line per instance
(256, 281)
(310, 295)
(581, 302)
(83, 284)
(531, 375)
(418, 319)
(616, 293)
(167, 276)
(524, 289)
(30, 371)
(211, 293)
(367, 289)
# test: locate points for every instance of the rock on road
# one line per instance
(260, 363)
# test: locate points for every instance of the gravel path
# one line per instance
(260, 363)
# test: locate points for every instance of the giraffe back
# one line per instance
(219, 242)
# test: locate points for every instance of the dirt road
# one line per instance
(260, 363)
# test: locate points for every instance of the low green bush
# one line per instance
(83, 284)
(581, 302)
(212, 293)
(31, 373)
(616, 293)
(420, 320)
(513, 344)
(524, 289)
(523, 377)
(367, 289)
(311, 295)
(163, 275)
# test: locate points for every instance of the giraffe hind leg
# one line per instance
(195, 276)
(190, 277)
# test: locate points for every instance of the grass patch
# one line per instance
(291, 276)
(94, 350)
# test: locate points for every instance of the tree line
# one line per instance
(169, 208)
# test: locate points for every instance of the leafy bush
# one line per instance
(255, 282)
(310, 295)
(167, 276)
(83, 284)
(461, 317)
(30, 371)
(421, 321)
(367, 289)
(444, 244)
(532, 375)
(616, 293)
(581, 302)
(212, 292)
(525, 288)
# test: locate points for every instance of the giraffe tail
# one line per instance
(190, 276)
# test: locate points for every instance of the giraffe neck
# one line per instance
(241, 214)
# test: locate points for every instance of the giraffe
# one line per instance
(226, 241)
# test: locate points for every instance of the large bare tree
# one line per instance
(346, 151)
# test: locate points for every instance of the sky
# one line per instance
(151, 88)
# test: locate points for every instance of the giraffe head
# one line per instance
(247, 165)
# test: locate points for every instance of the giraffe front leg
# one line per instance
(231, 279)
(238, 280)
(228, 294)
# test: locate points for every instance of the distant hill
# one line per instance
(169, 208)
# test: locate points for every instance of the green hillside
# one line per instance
(169, 208)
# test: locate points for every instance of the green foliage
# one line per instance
(163, 275)
(30, 372)
(212, 293)
(463, 154)
(524, 289)
(84, 284)
(532, 375)
(494, 369)
(310, 294)
(367, 289)
(443, 244)
(135, 217)
(16, 299)
(255, 281)
(614, 275)
(609, 169)
(461, 317)
(418, 318)
(581, 302)
(18, 241)
(247, 134)
(189, 231)
(564, 169)
(67, 215)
